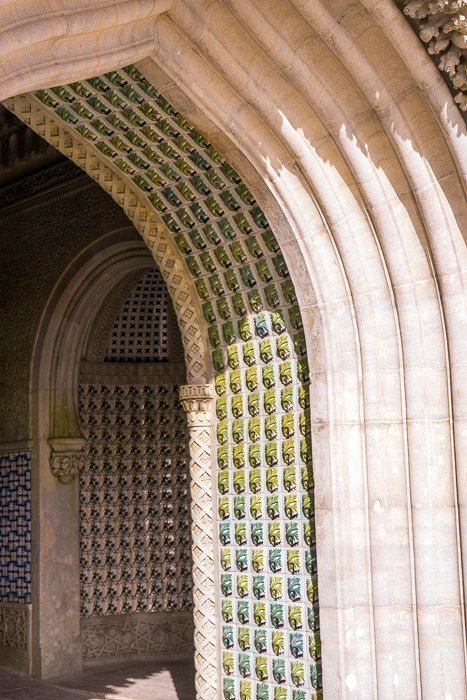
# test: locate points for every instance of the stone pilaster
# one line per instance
(196, 400)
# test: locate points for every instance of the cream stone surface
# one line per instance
(334, 110)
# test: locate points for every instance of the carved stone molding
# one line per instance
(66, 458)
(115, 636)
(196, 400)
(442, 26)
(14, 620)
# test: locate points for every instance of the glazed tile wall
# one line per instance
(15, 527)
(140, 332)
(135, 543)
(267, 565)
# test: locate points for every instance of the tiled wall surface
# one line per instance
(15, 528)
(140, 332)
(270, 629)
(134, 501)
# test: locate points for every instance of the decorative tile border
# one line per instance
(15, 527)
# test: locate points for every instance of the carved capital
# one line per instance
(196, 400)
(66, 458)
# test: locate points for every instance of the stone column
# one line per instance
(196, 400)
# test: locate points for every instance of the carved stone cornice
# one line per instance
(442, 25)
(38, 182)
(196, 400)
(66, 458)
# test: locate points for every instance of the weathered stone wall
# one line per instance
(39, 237)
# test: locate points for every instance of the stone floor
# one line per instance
(143, 681)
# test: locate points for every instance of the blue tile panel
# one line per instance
(15, 527)
(135, 542)
(140, 331)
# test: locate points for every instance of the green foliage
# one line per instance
(295, 617)
(233, 359)
(313, 618)
(274, 533)
(271, 454)
(297, 673)
(253, 404)
(227, 637)
(291, 506)
(244, 638)
(251, 378)
(241, 559)
(273, 507)
(228, 663)
(224, 507)
(277, 615)
(254, 429)
(312, 589)
(259, 614)
(293, 561)
(236, 381)
(222, 432)
(259, 587)
(278, 670)
(288, 451)
(239, 481)
(289, 478)
(272, 480)
(238, 454)
(223, 482)
(257, 534)
(278, 643)
(260, 641)
(240, 533)
(239, 507)
(243, 612)
(288, 425)
(275, 587)
(265, 351)
(256, 507)
(280, 693)
(245, 690)
(294, 590)
(226, 584)
(226, 558)
(269, 376)
(254, 456)
(296, 645)
(244, 665)
(221, 408)
(228, 688)
(258, 560)
(261, 670)
(255, 482)
(269, 401)
(314, 643)
(316, 676)
(224, 533)
(238, 431)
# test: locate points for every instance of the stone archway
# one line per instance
(255, 331)
(363, 148)
(68, 325)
